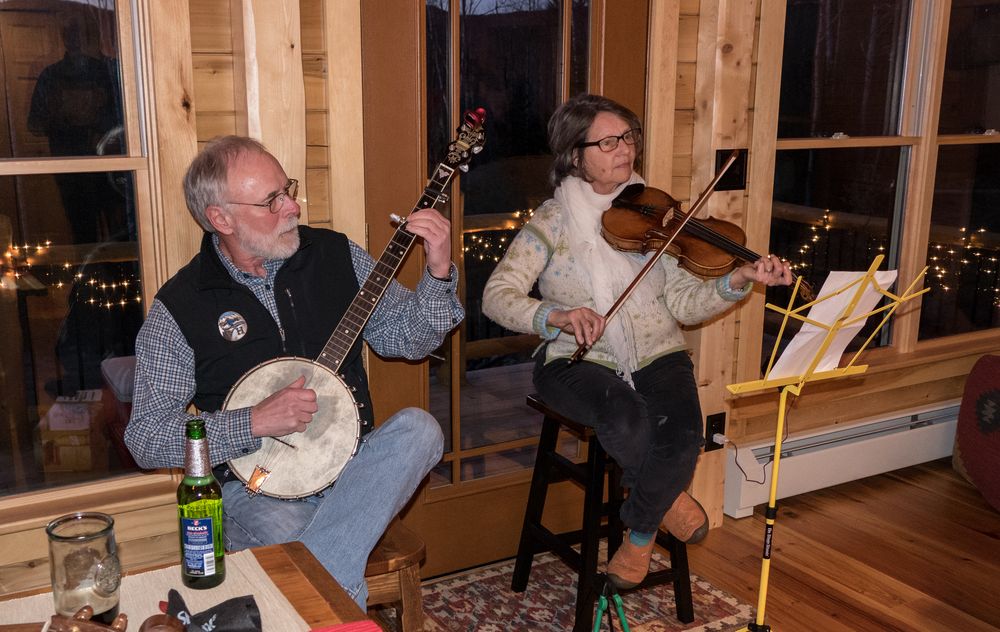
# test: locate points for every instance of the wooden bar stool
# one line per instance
(552, 467)
(393, 575)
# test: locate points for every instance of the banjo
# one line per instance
(303, 463)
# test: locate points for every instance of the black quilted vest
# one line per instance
(313, 290)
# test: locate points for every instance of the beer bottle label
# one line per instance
(199, 546)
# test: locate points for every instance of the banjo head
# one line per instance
(300, 463)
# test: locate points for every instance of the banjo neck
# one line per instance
(303, 463)
(360, 310)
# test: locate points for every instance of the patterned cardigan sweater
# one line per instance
(541, 252)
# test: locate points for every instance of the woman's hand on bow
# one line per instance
(584, 323)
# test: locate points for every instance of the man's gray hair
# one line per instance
(206, 180)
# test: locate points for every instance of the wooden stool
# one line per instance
(393, 575)
(552, 467)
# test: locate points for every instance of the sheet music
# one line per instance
(830, 308)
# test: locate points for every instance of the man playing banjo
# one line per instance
(263, 287)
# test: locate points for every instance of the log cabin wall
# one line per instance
(332, 137)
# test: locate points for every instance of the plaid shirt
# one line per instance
(406, 323)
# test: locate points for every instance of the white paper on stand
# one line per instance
(802, 349)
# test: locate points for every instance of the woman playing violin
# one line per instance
(636, 384)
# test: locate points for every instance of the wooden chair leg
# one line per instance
(593, 500)
(616, 528)
(682, 580)
(393, 575)
(411, 611)
(536, 504)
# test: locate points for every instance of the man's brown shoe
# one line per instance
(686, 520)
(630, 563)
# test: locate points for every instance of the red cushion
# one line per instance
(978, 435)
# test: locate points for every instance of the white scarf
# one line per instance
(608, 271)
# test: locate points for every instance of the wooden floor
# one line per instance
(915, 549)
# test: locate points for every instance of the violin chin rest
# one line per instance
(631, 191)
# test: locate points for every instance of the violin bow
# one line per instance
(582, 349)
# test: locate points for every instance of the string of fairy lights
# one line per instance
(117, 287)
(949, 265)
(107, 286)
(490, 245)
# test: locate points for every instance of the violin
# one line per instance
(657, 226)
(643, 219)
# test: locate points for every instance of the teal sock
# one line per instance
(640, 539)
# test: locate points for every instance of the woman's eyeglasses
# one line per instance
(610, 143)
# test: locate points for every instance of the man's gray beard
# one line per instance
(269, 246)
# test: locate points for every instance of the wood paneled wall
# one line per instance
(219, 54)
(709, 84)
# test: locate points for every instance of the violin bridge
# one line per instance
(256, 480)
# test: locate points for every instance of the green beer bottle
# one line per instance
(199, 508)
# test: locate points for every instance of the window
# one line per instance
(70, 290)
(964, 243)
(965, 221)
(844, 188)
(509, 61)
(842, 67)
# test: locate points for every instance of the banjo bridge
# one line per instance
(256, 479)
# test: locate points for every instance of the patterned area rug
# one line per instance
(481, 600)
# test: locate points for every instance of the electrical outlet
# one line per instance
(736, 178)
(714, 424)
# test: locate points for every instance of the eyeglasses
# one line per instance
(610, 143)
(276, 201)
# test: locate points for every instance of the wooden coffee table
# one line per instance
(307, 586)
(311, 590)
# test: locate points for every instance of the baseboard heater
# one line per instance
(837, 456)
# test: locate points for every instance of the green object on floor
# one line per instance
(602, 607)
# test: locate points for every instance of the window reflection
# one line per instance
(69, 305)
(970, 93)
(62, 81)
(833, 209)
(511, 60)
(964, 243)
(439, 133)
(509, 64)
(842, 67)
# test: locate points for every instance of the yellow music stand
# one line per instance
(793, 383)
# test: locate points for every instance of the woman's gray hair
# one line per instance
(206, 180)
(568, 128)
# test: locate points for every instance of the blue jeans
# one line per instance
(654, 432)
(341, 525)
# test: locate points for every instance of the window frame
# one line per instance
(921, 100)
(907, 373)
(141, 499)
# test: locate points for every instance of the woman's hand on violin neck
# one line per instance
(769, 270)
(584, 323)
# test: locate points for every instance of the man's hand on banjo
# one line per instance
(285, 411)
(435, 230)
